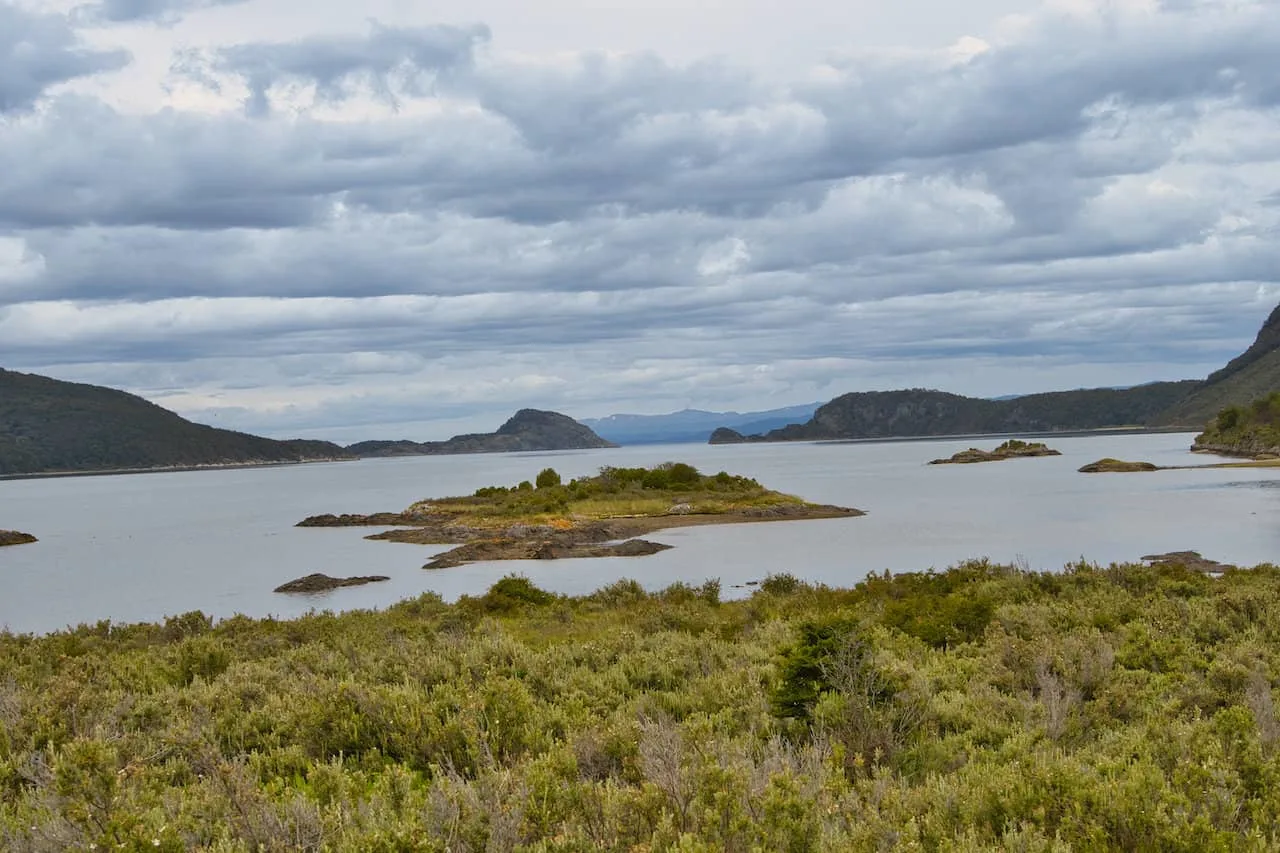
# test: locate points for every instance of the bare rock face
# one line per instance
(13, 537)
(323, 583)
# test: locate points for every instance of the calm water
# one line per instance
(141, 547)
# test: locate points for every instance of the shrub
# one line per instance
(547, 478)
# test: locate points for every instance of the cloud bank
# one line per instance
(412, 226)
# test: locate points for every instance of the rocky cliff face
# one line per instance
(527, 430)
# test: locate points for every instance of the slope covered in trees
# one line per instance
(50, 426)
(1126, 708)
(883, 414)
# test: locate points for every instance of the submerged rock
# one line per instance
(323, 583)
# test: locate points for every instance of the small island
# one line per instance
(1011, 449)
(319, 582)
(598, 516)
(13, 537)
(1109, 465)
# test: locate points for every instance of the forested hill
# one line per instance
(883, 414)
(527, 430)
(51, 426)
(1252, 375)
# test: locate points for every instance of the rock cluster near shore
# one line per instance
(1011, 449)
(13, 537)
(319, 582)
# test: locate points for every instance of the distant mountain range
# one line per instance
(921, 412)
(693, 425)
(527, 430)
(49, 426)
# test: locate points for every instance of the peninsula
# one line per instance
(52, 427)
(1011, 449)
(596, 516)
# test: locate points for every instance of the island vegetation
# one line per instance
(596, 516)
(13, 537)
(1012, 449)
(1127, 708)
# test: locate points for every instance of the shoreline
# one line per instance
(167, 469)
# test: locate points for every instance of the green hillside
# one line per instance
(51, 426)
(877, 414)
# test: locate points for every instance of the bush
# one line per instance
(547, 478)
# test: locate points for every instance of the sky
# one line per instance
(394, 219)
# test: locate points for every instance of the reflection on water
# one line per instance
(141, 547)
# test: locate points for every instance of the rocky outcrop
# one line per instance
(528, 430)
(13, 537)
(323, 583)
(1116, 466)
(1011, 449)
(1246, 448)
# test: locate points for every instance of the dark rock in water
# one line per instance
(724, 435)
(13, 537)
(1187, 559)
(1109, 465)
(323, 583)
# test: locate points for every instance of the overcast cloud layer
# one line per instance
(282, 217)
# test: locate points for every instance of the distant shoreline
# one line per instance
(165, 469)
(967, 436)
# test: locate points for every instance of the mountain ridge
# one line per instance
(48, 426)
(526, 430)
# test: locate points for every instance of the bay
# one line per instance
(142, 547)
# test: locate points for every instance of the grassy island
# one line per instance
(981, 708)
(1011, 449)
(1108, 465)
(13, 537)
(593, 516)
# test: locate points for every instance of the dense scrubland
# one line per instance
(1126, 708)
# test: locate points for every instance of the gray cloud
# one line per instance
(39, 51)
(163, 12)
(386, 59)
(1088, 201)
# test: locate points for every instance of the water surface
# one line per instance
(141, 547)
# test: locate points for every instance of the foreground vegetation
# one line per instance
(1126, 708)
(1252, 430)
